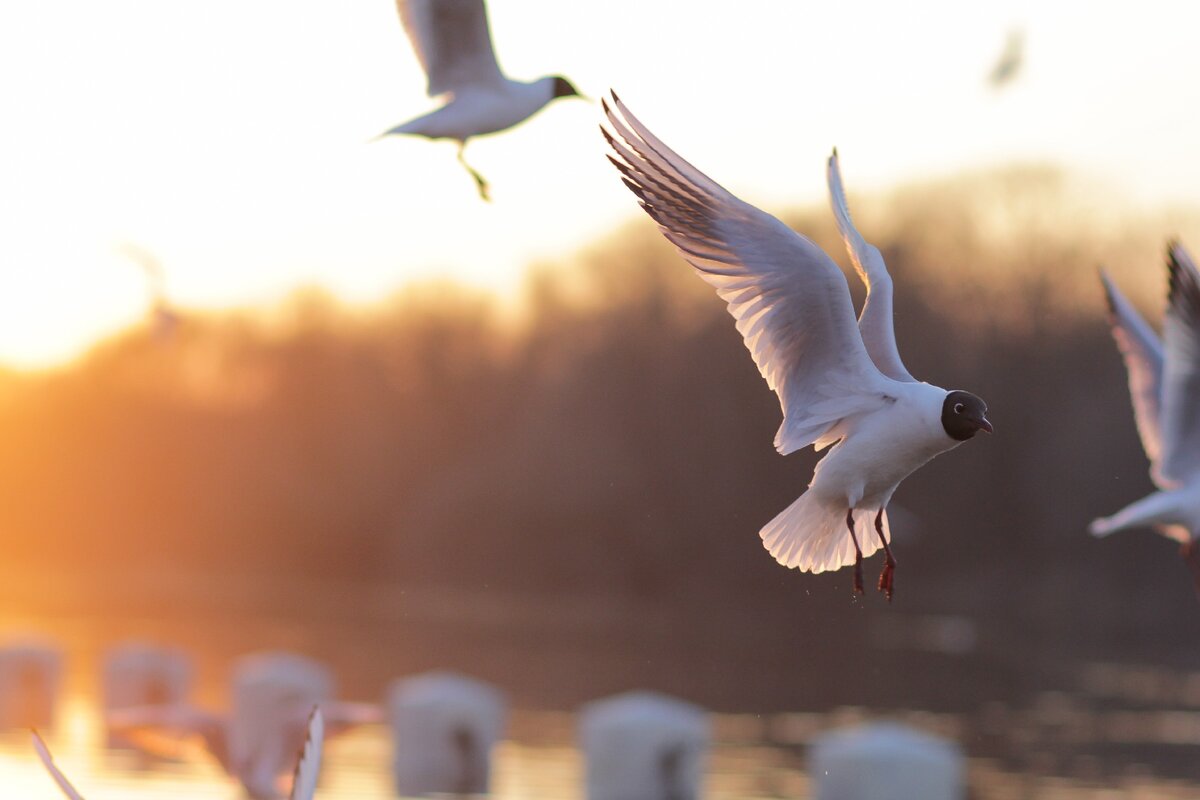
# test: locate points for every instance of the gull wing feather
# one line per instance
(875, 322)
(55, 773)
(304, 783)
(453, 43)
(1143, 355)
(1181, 373)
(790, 301)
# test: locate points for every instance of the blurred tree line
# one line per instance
(613, 442)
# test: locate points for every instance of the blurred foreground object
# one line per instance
(30, 680)
(444, 728)
(163, 318)
(304, 782)
(644, 745)
(885, 761)
(144, 674)
(454, 45)
(43, 753)
(1008, 66)
(1165, 389)
(257, 741)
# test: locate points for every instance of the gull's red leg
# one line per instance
(1190, 552)
(886, 578)
(858, 580)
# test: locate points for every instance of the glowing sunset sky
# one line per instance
(230, 138)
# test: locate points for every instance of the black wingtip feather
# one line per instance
(638, 190)
(1183, 292)
(613, 92)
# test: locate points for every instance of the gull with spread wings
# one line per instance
(838, 383)
(454, 45)
(1165, 389)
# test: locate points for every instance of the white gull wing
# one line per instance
(308, 768)
(875, 322)
(790, 301)
(55, 773)
(1181, 373)
(1143, 356)
(452, 42)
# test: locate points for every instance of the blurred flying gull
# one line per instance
(838, 384)
(163, 318)
(453, 44)
(1008, 66)
(255, 743)
(1165, 389)
(304, 781)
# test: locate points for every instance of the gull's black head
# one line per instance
(564, 88)
(964, 414)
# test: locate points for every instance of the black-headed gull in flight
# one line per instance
(454, 46)
(838, 384)
(1165, 388)
(304, 780)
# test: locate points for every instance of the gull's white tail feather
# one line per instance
(811, 536)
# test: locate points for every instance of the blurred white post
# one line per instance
(885, 761)
(644, 745)
(273, 694)
(444, 727)
(143, 674)
(30, 679)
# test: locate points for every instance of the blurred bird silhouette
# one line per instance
(163, 319)
(838, 384)
(1008, 66)
(454, 45)
(1164, 384)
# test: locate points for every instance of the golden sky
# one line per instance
(230, 138)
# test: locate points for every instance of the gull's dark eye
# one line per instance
(958, 408)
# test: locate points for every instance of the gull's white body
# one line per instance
(877, 451)
(839, 382)
(1164, 384)
(479, 110)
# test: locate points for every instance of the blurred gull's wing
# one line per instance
(1181, 373)
(55, 773)
(304, 783)
(790, 301)
(875, 321)
(1143, 357)
(452, 42)
(175, 731)
(340, 716)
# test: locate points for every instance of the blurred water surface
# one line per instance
(1119, 731)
